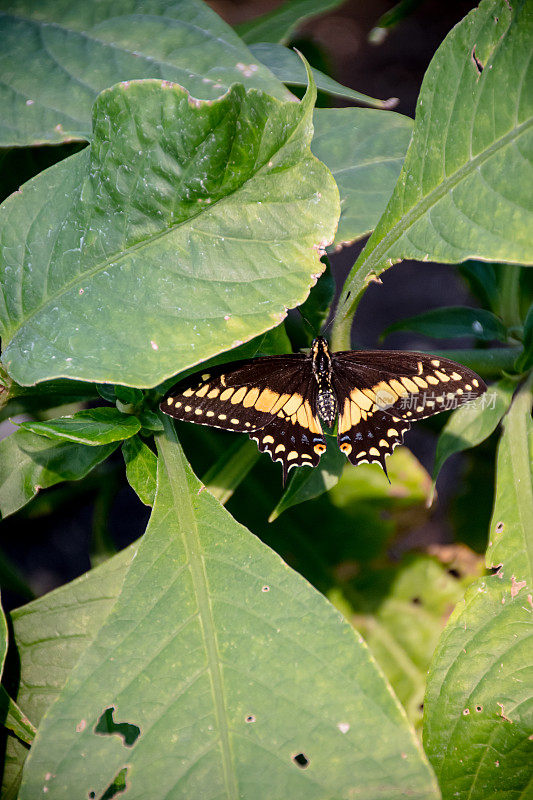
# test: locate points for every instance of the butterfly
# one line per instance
(279, 401)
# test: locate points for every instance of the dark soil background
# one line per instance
(51, 549)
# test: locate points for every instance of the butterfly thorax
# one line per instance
(322, 369)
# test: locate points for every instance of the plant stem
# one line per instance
(510, 295)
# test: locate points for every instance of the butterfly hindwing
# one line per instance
(292, 443)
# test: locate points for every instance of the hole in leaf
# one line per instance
(265, 589)
(250, 718)
(106, 726)
(454, 572)
(301, 760)
(499, 527)
(421, 707)
(479, 708)
(416, 601)
(118, 785)
(92, 795)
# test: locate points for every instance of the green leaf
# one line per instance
(49, 394)
(96, 426)
(128, 395)
(56, 58)
(403, 632)
(149, 420)
(305, 484)
(287, 67)
(390, 19)
(163, 255)
(364, 149)
(525, 360)
(478, 724)
(206, 634)
(482, 281)
(464, 190)
(141, 469)
(14, 719)
(278, 24)
(51, 634)
(471, 424)
(29, 463)
(453, 322)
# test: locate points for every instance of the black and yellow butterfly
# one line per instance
(279, 400)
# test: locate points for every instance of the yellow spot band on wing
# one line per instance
(266, 400)
(239, 395)
(361, 400)
(251, 397)
(293, 404)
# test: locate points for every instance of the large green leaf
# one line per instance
(464, 190)
(93, 427)
(403, 632)
(51, 634)
(29, 463)
(287, 66)
(185, 229)
(478, 709)
(364, 150)
(224, 674)
(57, 56)
(278, 24)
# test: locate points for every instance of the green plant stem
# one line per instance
(230, 470)
(341, 333)
(509, 305)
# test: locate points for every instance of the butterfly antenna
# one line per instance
(311, 327)
(333, 317)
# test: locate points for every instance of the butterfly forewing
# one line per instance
(269, 398)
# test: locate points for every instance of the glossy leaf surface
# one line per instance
(185, 229)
